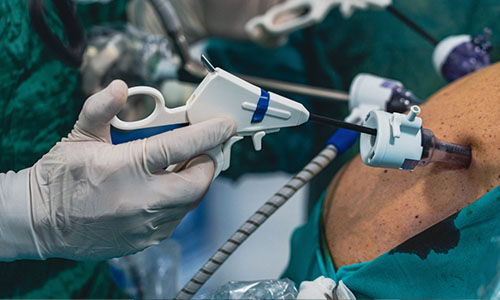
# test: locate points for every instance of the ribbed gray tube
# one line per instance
(316, 165)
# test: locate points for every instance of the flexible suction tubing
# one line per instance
(314, 167)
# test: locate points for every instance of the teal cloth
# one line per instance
(39, 103)
(418, 268)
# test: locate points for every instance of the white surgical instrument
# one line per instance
(425, 145)
(366, 90)
(272, 28)
(369, 92)
(360, 105)
(221, 94)
(453, 57)
(402, 143)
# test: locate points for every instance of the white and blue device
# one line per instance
(221, 94)
(398, 143)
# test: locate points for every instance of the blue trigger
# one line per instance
(262, 106)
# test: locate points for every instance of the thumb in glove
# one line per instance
(88, 199)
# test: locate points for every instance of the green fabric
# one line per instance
(39, 104)
(421, 267)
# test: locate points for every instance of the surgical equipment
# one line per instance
(221, 94)
(435, 150)
(72, 54)
(127, 53)
(365, 88)
(257, 219)
(337, 144)
(272, 28)
(459, 55)
(192, 71)
(298, 89)
(341, 124)
(402, 143)
(368, 92)
(453, 57)
(172, 26)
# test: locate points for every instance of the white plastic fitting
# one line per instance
(398, 139)
(444, 48)
(369, 92)
(367, 89)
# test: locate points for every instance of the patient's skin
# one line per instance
(368, 211)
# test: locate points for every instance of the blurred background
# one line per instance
(144, 43)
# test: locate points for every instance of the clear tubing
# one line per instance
(451, 154)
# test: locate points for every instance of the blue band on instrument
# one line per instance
(262, 106)
(343, 139)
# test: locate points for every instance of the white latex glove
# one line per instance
(87, 199)
(347, 7)
(324, 288)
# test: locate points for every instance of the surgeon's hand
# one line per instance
(347, 7)
(89, 200)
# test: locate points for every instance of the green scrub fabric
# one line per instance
(39, 102)
(454, 259)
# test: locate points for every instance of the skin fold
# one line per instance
(368, 211)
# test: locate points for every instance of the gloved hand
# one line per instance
(87, 199)
(324, 288)
(347, 7)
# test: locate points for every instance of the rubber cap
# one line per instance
(444, 48)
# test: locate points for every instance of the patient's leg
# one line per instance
(368, 211)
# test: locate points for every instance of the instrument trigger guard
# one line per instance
(221, 155)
